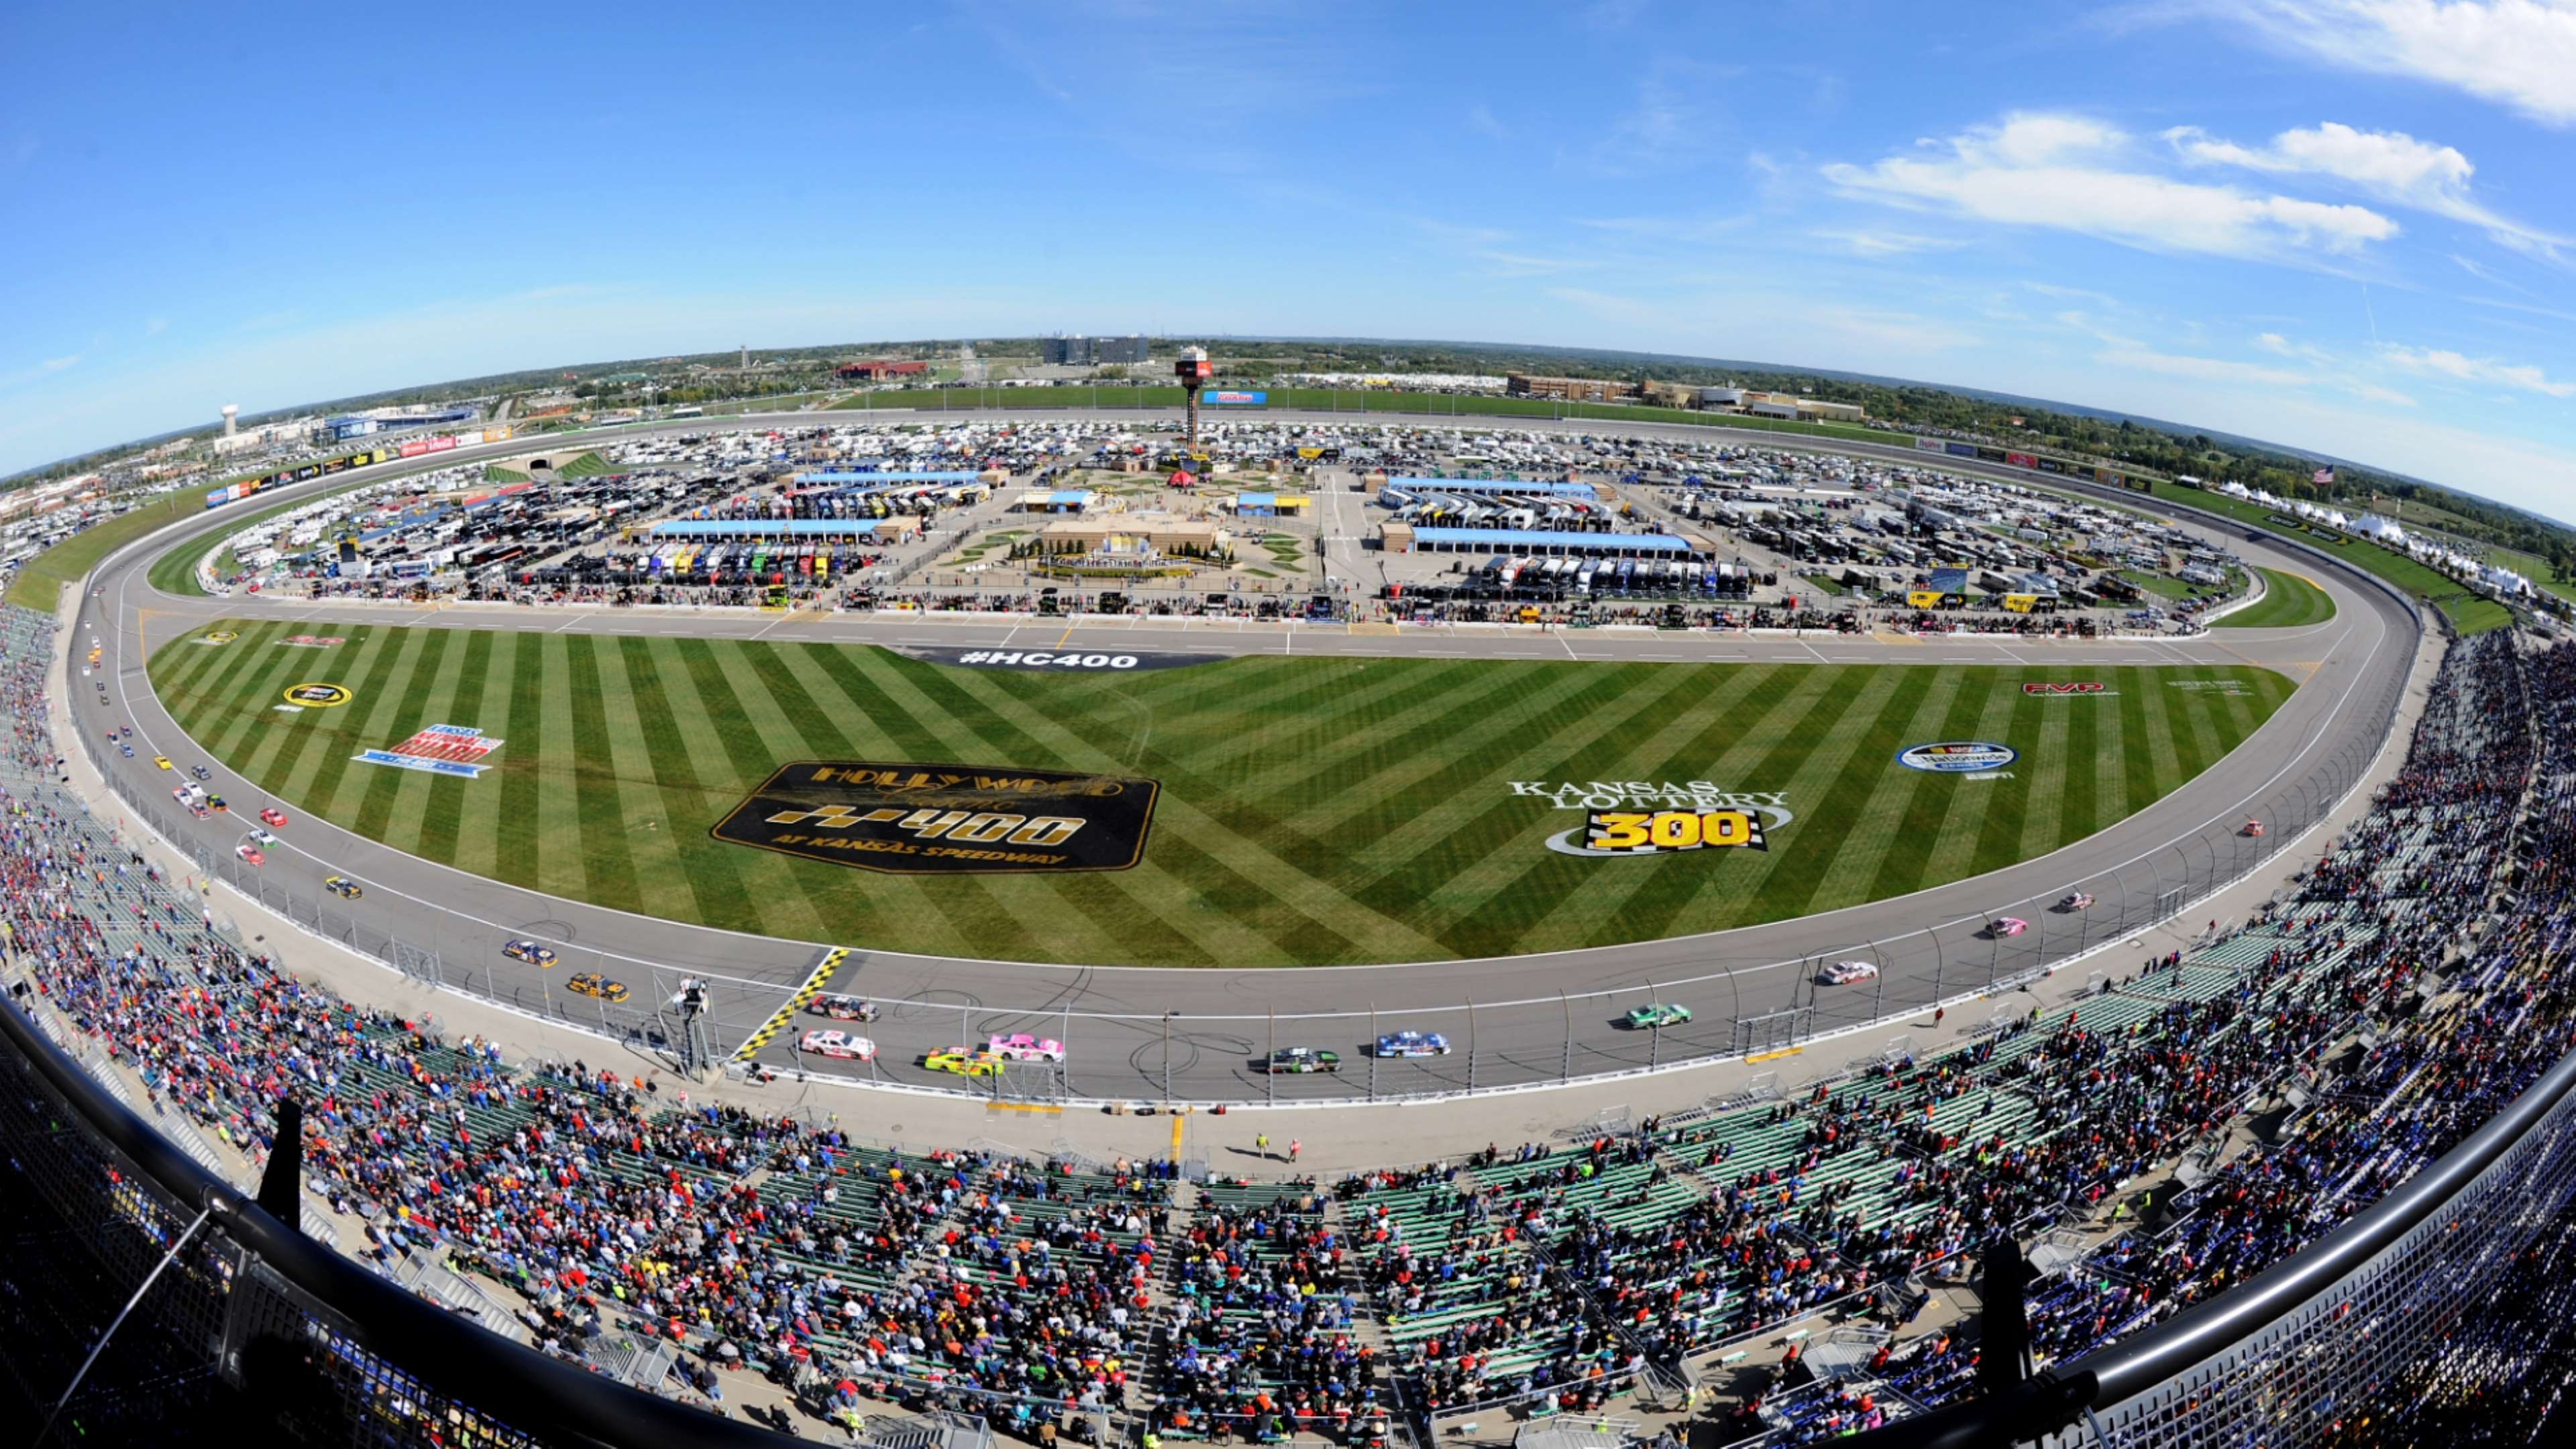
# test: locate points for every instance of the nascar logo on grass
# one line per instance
(1957, 757)
(438, 750)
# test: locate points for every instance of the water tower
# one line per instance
(1193, 370)
(232, 414)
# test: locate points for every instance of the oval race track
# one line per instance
(1136, 1033)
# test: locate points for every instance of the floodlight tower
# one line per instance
(1193, 372)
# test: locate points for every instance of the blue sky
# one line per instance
(2348, 225)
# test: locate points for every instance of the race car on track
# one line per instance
(1411, 1043)
(260, 837)
(161, 762)
(274, 817)
(343, 887)
(250, 853)
(963, 1062)
(201, 772)
(2253, 827)
(530, 952)
(1844, 973)
(591, 983)
(1301, 1059)
(2007, 926)
(842, 1008)
(129, 749)
(838, 1044)
(1656, 1013)
(1019, 1046)
(2081, 900)
(216, 803)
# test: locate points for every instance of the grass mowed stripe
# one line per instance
(2288, 602)
(1312, 810)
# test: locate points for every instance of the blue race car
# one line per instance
(1410, 1043)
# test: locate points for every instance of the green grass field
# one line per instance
(37, 584)
(2288, 601)
(1313, 810)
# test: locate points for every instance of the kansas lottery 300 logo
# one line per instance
(1652, 817)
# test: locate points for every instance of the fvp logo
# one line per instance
(2086, 687)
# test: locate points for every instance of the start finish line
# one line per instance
(438, 750)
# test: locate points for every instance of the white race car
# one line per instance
(839, 1044)
(1844, 973)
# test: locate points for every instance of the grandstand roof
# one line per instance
(1494, 485)
(1517, 538)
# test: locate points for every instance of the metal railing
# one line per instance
(252, 1312)
(2287, 1357)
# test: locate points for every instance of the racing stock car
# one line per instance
(842, 1008)
(1411, 1043)
(530, 952)
(2003, 926)
(1301, 1059)
(591, 983)
(1844, 973)
(2080, 900)
(1019, 1046)
(1657, 1013)
(838, 1044)
(963, 1062)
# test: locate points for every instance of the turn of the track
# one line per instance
(1132, 1031)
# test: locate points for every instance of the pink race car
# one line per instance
(1019, 1046)
(2008, 926)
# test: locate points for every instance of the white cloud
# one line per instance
(1521, 264)
(2435, 361)
(2275, 342)
(1885, 243)
(2203, 369)
(2388, 165)
(2517, 53)
(1481, 119)
(2077, 174)
(2375, 393)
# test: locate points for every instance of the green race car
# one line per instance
(1655, 1014)
(1302, 1059)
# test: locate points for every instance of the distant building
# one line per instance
(1569, 389)
(1080, 351)
(880, 367)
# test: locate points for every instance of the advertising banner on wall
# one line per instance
(2022, 460)
(1228, 399)
(1960, 450)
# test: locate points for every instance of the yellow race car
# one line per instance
(591, 983)
(963, 1062)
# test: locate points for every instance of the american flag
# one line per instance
(2323, 477)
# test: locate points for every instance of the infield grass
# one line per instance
(2288, 601)
(1313, 810)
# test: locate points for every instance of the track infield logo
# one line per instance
(318, 696)
(910, 819)
(219, 636)
(437, 750)
(1650, 817)
(1958, 757)
(2052, 690)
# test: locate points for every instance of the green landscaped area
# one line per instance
(2288, 601)
(2467, 612)
(1313, 810)
(39, 583)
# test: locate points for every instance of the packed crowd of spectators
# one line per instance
(1550, 1277)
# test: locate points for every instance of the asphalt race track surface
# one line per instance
(1138, 1033)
